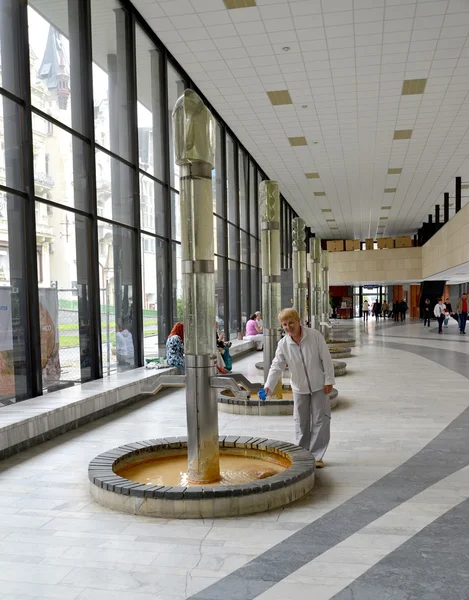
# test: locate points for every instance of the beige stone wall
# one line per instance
(449, 247)
(375, 266)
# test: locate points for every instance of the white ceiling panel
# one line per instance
(344, 63)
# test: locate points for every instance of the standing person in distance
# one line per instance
(439, 312)
(365, 309)
(426, 313)
(312, 378)
(461, 309)
(403, 309)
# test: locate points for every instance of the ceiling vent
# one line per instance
(320, 194)
(394, 171)
(312, 175)
(390, 190)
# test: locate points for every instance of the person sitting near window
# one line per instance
(260, 323)
(254, 332)
(175, 347)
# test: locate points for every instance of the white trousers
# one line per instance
(259, 338)
(312, 417)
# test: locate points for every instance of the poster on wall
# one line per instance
(7, 373)
(49, 324)
(50, 357)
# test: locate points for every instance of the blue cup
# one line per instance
(262, 395)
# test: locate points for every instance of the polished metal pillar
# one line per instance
(194, 144)
(269, 198)
(316, 283)
(299, 268)
(325, 294)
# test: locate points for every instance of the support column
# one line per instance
(299, 268)
(437, 214)
(457, 202)
(446, 208)
(194, 144)
(316, 282)
(325, 292)
(269, 198)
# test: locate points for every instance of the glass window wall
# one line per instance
(94, 210)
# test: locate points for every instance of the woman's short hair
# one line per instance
(288, 313)
(252, 317)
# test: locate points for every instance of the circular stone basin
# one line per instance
(150, 478)
(340, 352)
(255, 407)
(340, 368)
(349, 343)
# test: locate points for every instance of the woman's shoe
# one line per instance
(319, 464)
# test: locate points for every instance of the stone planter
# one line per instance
(337, 343)
(341, 352)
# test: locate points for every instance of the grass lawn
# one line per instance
(72, 341)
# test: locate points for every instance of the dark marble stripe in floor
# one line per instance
(447, 453)
(432, 565)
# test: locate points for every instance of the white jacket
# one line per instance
(309, 362)
(439, 310)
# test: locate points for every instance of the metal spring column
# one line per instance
(325, 291)
(299, 268)
(194, 144)
(316, 280)
(269, 198)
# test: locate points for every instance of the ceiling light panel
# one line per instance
(394, 171)
(402, 134)
(232, 4)
(390, 190)
(412, 87)
(319, 193)
(312, 175)
(280, 97)
(297, 141)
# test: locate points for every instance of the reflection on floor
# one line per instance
(382, 522)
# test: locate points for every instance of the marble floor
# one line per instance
(387, 520)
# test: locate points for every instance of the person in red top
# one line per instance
(461, 309)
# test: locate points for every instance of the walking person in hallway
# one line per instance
(426, 313)
(385, 309)
(461, 309)
(377, 309)
(312, 378)
(448, 311)
(439, 312)
(365, 310)
(395, 310)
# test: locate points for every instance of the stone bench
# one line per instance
(25, 424)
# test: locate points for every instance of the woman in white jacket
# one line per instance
(312, 378)
(440, 313)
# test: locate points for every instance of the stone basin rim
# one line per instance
(255, 402)
(101, 469)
